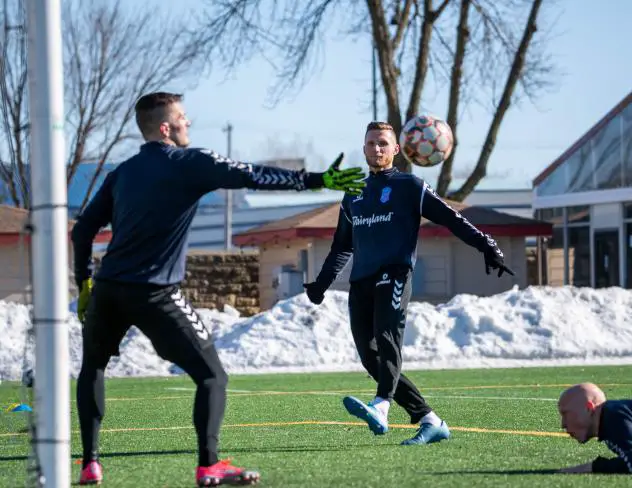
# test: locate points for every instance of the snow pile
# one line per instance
(533, 326)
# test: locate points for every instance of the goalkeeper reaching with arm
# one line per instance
(150, 201)
(380, 228)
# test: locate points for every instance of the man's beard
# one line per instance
(379, 163)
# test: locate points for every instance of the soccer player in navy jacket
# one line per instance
(150, 201)
(586, 414)
(380, 229)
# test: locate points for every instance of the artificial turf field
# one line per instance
(295, 431)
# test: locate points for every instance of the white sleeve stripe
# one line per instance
(345, 213)
(421, 200)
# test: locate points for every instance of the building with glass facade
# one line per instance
(587, 194)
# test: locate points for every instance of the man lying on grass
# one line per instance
(586, 414)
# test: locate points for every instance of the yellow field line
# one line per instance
(240, 394)
(479, 430)
(128, 399)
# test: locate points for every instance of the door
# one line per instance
(606, 258)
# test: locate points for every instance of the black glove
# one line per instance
(315, 292)
(494, 259)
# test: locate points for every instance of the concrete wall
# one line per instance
(271, 258)
(15, 273)
(469, 268)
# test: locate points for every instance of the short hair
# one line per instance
(150, 109)
(376, 125)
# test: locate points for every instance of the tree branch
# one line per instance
(13, 103)
(111, 58)
(386, 62)
(423, 54)
(462, 36)
(512, 80)
(110, 64)
(402, 24)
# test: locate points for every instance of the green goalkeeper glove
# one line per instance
(84, 299)
(348, 180)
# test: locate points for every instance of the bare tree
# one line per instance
(112, 55)
(14, 133)
(504, 59)
(476, 48)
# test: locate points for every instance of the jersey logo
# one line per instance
(373, 219)
(384, 281)
(386, 194)
(358, 198)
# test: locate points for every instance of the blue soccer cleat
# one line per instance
(428, 433)
(371, 415)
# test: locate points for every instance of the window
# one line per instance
(579, 255)
(581, 170)
(552, 215)
(578, 215)
(626, 144)
(556, 241)
(555, 183)
(628, 254)
(606, 149)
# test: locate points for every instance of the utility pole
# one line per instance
(228, 218)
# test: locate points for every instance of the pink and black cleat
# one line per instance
(92, 474)
(224, 473)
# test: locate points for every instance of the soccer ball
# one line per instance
(426, 140)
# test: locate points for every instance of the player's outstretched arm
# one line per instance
(339, 254)
(209, 171)
(438, 211)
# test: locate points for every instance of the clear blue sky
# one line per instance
(591, 46)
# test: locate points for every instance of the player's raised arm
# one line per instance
(210, 171)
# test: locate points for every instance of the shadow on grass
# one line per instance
(114, 454)
(223, 452)
(496, 471)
